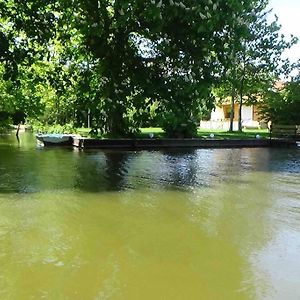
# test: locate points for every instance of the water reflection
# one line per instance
(194, 224)
(28, 169)
(101, 171)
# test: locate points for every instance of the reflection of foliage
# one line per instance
(283, 107)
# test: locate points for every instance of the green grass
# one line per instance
(245, 134)
(146, 132)
(83, 131)
(218, 134)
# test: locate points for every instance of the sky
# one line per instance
(288, 13)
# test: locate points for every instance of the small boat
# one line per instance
(56, 139)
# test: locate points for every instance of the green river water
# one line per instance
(189, 224)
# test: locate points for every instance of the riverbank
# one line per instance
(157, 132)
(152, 138)
(149, 140)
(163, 143)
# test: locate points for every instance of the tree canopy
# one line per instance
(282, 106)
(257, 59)
(117, 61)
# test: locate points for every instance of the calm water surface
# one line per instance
(194, 224)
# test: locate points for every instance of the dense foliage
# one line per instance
(283, 106)
(118, 65)
(257, 60)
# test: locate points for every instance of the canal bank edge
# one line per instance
(148, 144)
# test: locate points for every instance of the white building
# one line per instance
(220, 118)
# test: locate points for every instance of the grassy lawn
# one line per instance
(157, 132)
(83, 131)
(246, 134)
(218, 134)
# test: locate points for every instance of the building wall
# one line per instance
(220, 117)
(223, 113)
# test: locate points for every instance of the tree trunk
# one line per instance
(241, 104)
(116, 126)
(241, 92)
(233, 92)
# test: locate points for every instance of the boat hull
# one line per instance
(55, 139)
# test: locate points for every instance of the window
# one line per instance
(227, 110)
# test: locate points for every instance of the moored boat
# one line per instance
(55, 139)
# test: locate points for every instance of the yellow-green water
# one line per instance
(202, 224)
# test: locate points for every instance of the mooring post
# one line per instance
(17, 133)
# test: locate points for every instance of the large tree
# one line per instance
(256, 58)
(282, 105)
(120, 53)
(165, 51)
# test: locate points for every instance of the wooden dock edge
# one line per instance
(145, 144)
